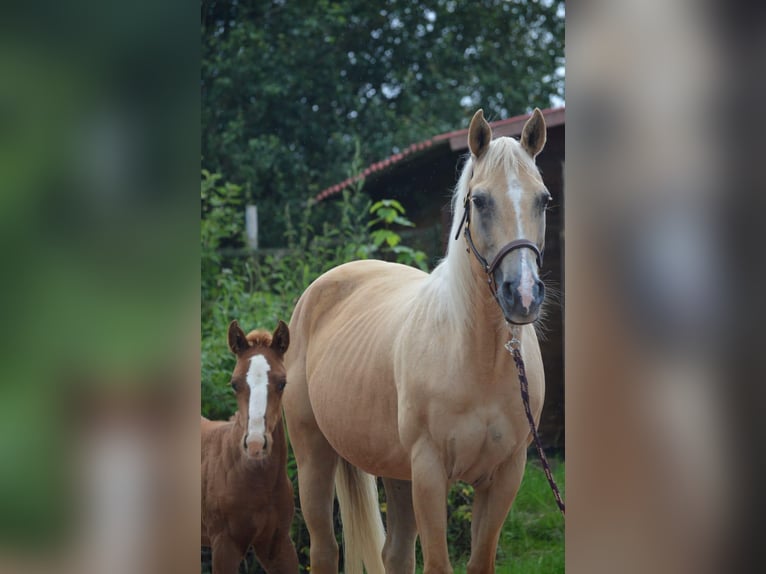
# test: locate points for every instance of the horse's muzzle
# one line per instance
(521, 305)
(257, 447)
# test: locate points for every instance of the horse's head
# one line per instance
(505, 206)
(258, 380)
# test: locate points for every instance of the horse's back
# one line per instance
(357, 281)
(368, 295)
(206, 425)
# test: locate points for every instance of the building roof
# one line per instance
(456, 140)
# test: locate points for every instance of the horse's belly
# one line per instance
(357, 413)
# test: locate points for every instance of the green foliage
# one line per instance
(220, 222)
(532, 539)
(279, 120)
(259, 288)
(387, 212)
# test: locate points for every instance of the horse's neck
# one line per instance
(488, 331)
(461, 298)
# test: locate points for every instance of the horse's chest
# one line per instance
(476, 445)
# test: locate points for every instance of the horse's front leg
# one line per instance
(429, 497)
(491, 504)
(226, 555)
(277, 553)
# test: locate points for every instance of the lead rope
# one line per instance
(514, 347)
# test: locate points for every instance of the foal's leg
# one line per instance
(429, 496)
(277, 554)
(401, 529)
(226, 556)
(490, 509)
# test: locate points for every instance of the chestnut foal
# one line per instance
(247, 497)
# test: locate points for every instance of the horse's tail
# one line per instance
(363, 533)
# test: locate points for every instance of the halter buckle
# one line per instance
(514, 344)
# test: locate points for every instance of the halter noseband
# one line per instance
(489, 268)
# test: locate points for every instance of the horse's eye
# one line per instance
(234, 385)
(479, 201)
(281, 385)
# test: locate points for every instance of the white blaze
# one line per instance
(527, 281)
(258, 380)
(514, 192)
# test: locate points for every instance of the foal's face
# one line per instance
(258, 380)
(509, 203)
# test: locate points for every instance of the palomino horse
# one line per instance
(247, 497)
(404, 375)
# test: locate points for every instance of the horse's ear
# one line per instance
(280, 340)
(237, 339)
(479, 134)
(534, 134)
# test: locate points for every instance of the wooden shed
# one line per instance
(422, 176)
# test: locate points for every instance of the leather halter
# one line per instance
(489, 268)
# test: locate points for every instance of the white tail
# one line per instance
(363, 533)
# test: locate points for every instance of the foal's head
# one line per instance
(258, 380)
(508, 202)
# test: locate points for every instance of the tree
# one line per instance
(289, 87)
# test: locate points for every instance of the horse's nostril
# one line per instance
(265, 443)
(506, 290)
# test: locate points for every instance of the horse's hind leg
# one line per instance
(317, 462)
(316, 485)
(401, 529)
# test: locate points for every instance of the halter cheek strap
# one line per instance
(489, 268)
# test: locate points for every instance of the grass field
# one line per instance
(532, 540)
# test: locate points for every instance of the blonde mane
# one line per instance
(448, 288)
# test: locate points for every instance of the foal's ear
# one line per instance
(479, 134)
(237, 339)
(280, 340)
(533, 135)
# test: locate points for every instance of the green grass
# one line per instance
(532, 539)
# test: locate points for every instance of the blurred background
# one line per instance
(99, 219)
(662, 396)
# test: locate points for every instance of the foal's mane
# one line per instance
(259, 338)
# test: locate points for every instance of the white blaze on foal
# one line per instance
(258, 381)
(527, 282)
